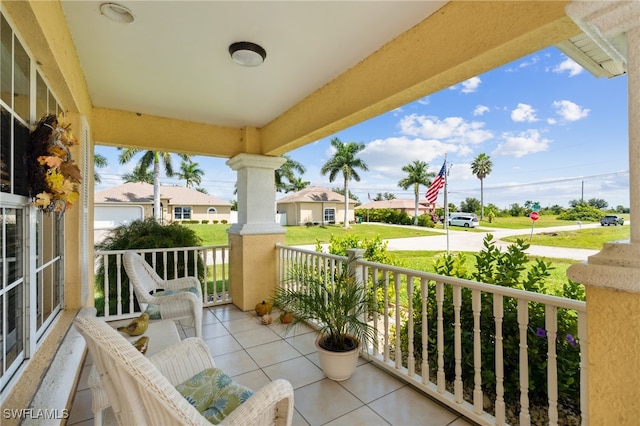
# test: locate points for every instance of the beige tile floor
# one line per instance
(254, 354)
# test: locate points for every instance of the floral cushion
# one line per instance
(214, 394)
(154, 310)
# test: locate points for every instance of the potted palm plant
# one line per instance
(336, 304)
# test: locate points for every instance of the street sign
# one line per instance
(535, 207)
(534, 216)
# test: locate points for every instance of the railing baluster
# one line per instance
(457, 306)
(424, 293)
(398, 351)
(584, 367)
(551, 324)
(119, 283)
(107, 289)
(440, 318)
(498, 315)
(478, 396)
(411, 366)
(385, 293)
(523, 324)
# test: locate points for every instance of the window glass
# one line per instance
(21, 99)
(20, 143)
(329, 215)
(41, 97)
(5, 150)
(6, 64)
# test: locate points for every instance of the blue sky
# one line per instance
(549, 127)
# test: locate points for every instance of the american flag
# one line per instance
(437, 185)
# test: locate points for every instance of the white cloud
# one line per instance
(480, 110)
(568, 65)
(386, 157)
(451, 129)
(524, 112)
(521, 144)
(423, 101)
(471, 85)
(570, 111)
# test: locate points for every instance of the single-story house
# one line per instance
(403, 204)
(130, 201)
(316, 205)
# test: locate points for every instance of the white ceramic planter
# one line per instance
(337, 366)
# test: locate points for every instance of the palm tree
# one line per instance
(481, 167)
(191, 173)
(99, 161)
(148, 158)
(287, 171)
(139, 175)
(297, 184)
(344, 161)
(417, 175)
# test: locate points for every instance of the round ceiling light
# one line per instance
(247, 54)
(117, 13)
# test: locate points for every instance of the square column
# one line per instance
(252, 254)
(612, 276)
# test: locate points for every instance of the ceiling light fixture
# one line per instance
(116, 13)
(247, 54)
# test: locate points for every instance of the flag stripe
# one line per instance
(436, 185)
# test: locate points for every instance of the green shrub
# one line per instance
(204, 221)
(215, 221)
(505, 269)
(145, 234)
(425, 220)
(582, 212)
(224, 221)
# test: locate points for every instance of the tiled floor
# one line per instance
(254, 354)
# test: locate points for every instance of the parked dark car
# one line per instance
(611, 220)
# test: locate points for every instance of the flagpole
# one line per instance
(446, 203)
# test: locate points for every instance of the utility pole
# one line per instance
(582, 196)
(446, 201)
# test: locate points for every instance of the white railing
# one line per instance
(211, 262)
(450, 310)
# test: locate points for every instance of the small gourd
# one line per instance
(266, 319)
(286, 317)
(263, 308)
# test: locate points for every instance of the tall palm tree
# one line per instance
(287, 171)
(138, 175)
(417, 175)
(99, 161)
(481, 167)
(148, 158)
(191, 173)
(344, 161)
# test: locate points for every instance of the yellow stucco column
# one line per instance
(612, 277)
(252, 240)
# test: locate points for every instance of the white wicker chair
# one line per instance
(176, 306)
(142, 390)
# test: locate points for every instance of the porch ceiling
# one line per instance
(329, 64)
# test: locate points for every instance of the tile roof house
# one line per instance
(314, 204)
(135, 201)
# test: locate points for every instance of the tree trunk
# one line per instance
(481, 199)
(157, 211)
(346, 203)
(417, 195)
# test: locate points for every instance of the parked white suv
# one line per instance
(465, 221)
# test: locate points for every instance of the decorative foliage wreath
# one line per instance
(53, 176)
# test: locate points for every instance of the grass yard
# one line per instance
(545, 221)
(591, 238)
(299, 235)
(425, 260)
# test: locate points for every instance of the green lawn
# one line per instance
(425, 260)
(545, 221)
(299, 235)
(591, 238)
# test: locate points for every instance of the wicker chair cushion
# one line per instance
(154, 310)
(214, 394)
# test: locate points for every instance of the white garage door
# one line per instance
(105, 218)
